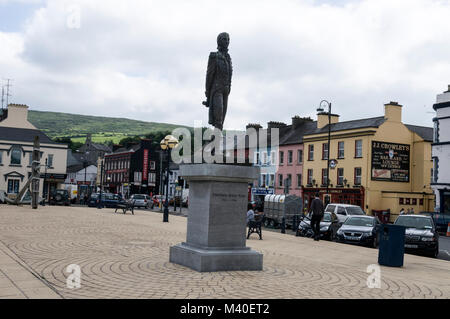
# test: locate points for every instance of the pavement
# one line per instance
(127, 256)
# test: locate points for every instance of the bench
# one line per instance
(255, 226)
(128, 206)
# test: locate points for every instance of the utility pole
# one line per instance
(36, 166)
(8, 85)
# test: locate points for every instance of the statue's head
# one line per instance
(223, 40)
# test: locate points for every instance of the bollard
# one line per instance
(283, 225)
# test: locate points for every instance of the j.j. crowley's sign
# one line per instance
(390, 161)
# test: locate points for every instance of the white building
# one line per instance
(441, 153)
(16, 147)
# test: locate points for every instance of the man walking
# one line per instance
(317, 211)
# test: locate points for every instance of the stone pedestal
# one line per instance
(216, 229)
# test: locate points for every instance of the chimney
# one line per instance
(17, 116)
(273, 124)
(393, 112)
(322, 119)
(256, 126)
(298, 121)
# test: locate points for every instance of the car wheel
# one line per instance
(266, 222)
(272, 223)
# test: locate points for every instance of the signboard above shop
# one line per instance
(390, 162)
(262, 191)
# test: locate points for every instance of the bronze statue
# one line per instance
(218, 82)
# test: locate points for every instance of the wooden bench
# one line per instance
(255, 226)
(128, 206)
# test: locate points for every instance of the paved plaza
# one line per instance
(126, 256)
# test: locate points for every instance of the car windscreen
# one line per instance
(327, 217)
(354, 211)
(94, 196)
(359, 221)
(414, 222)
(139, 197)
(330, 208)
(61, 192)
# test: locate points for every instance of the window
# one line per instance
(257, 160)
(358, 148)
(13, 186)
(290, 157)
(357, 180)
(435, 169)
(272, 180)
(280, 180)
(340, 149)
(30, 159)
(310, 176)
(310, 152)
(340, 176)
(50, 160)
(16, 156)
(299, 180)
(281, 157)
(263, 180)
(300, 156)
(324, 176)
(264, 158)
(436, 131)
(325, 151)
(1, 157)
(272, 158)
(289, 180)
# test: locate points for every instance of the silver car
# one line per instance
(141, 200)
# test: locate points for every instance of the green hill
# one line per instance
(103, 129)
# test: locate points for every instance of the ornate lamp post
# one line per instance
(167, 145)
(320, 110)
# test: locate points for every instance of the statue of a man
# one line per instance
(218, 82)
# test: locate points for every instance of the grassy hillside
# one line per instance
(103, 129)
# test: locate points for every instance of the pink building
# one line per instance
(291, 156)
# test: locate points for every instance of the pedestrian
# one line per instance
(402, 211)
(408, 211)
(412, 211)
(317, 212)
(86, 198)
(250, 213)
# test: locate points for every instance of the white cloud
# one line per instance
(147, 59)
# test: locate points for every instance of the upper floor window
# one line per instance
(290, 157)
(300, 156)
(281, 157)
(280, 180)
(272, 180)
(340, 149)
(358, 171)
(272, 158)
(50, 160)
(324, 176)
(1, 157)
(310, 177)
(325, 151)
(299, 180)
(310, 152)
(358, 148)
(340, 176)
(265, 158)
(16, 156)
(436, 131)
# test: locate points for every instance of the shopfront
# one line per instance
(340, 195)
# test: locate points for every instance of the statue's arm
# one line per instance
(210, 73)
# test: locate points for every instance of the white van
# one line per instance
(342, 211)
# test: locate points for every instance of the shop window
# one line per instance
(13, 186)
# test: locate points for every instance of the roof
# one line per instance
(351, 125)
(25, 135)
(290, 135)
(424, 132)
(101, 147)
(73, 158)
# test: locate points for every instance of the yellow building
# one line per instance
(377, 163)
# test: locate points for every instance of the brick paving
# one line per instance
(126, 256)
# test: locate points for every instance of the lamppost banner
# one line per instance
(390, 162)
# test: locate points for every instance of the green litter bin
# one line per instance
(392, 245)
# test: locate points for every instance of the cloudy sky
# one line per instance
(146, 60)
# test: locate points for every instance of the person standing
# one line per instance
(250, 213)
(402, 211)
(317, 211)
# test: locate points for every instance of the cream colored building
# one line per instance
(16, 145)
(380, 163)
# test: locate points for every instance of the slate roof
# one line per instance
(25, 135)
(424, 132)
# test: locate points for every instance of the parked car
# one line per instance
(420, 234)
(93, 199)
(441, 221)
(59, 197)
(142, 200)
(328, 226)
(108, 200)
(186, 201)
(343, 211)
(361, 230)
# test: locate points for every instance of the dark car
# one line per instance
(420, 234)
(93, 200)
(328, 226)
(108, 200)
(361, 230)
(59, 197)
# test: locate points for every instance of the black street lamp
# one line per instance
(321, 110)
(167, 145)
(45, 176)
